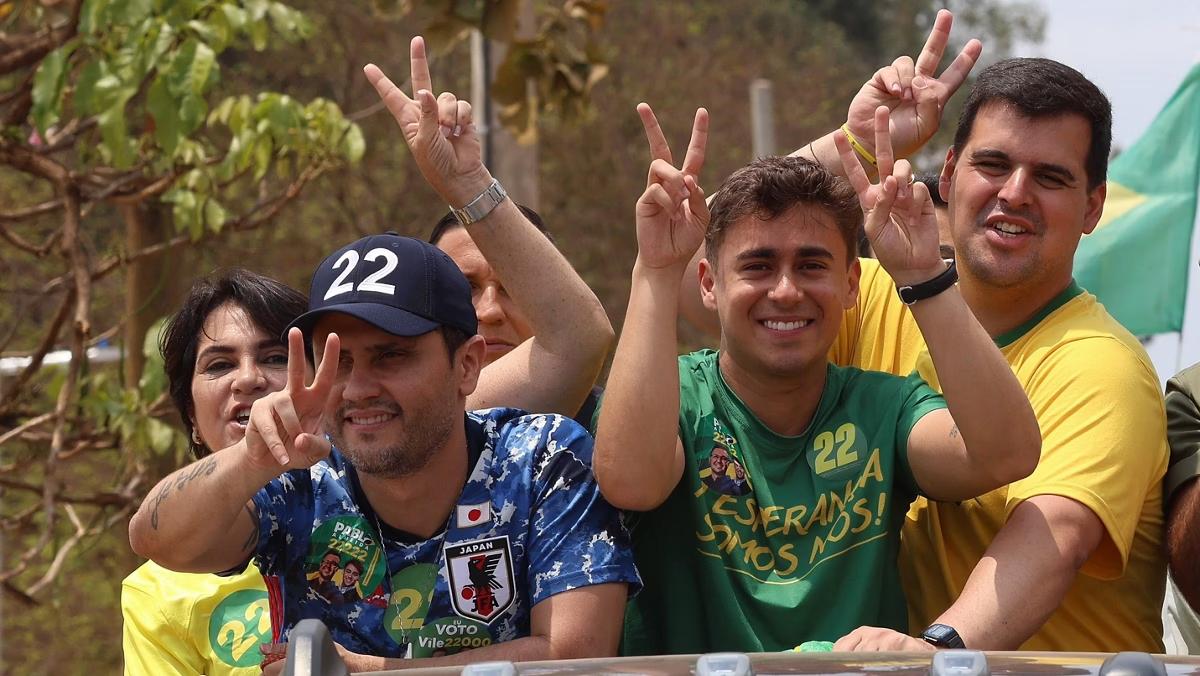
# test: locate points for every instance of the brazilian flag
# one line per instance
(1136, 261)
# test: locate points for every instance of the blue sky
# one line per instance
(1137, 52)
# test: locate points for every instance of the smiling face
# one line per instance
(395, 399)
(501, 323)
(351, 573)
(329, 566)
(237, 363)
(779, 288)
(718, 461)
(1019, 200)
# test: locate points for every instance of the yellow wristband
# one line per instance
(858, 146)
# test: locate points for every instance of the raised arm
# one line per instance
(201, 518)
(638, 457)
(554, 370)
(990, 436)
(915, 97)
(912, 92)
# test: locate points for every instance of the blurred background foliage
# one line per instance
(146, 142)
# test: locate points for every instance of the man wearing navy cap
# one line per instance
(466, 531)
(481, 530)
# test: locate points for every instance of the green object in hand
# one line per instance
(814, 647)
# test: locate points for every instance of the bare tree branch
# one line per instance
(30, 212)
(73, 248)
(23, 159)
(25, 426)
(9, 396)
(256, 217)
(97, 499)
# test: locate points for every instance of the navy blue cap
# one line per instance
(400, 285)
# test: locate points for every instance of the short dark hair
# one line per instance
(449, 222)
(270, 304)
(454, 338)
(356, 563)
(931, 182)
(1039, 88)
(770, 186)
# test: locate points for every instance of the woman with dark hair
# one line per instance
(222, 352)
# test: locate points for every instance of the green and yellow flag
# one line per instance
(1136, 261)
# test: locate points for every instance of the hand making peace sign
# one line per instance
(671, 214)
(915, 97)
(440, 132)
(898, 214)
(284, 427)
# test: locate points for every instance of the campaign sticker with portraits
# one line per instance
(724, 470)
(345, 562)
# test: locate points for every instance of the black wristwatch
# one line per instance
(928, 289)
(942, 636)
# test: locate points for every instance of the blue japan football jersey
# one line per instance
(530, 523)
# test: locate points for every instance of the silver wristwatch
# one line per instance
(482, 205)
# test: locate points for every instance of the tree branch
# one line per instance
(97, 499)
(9, 396)
(257, 216)
(23, 159)
(24, 427)
(30, 212)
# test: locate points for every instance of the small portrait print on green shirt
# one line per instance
(724, 471)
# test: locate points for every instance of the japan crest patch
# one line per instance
(481, 577)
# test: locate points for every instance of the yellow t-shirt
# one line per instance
(186, 623)
(879, 332)
(1098, 404)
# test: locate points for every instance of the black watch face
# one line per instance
(943, 636)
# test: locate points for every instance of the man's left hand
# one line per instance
(878, 639)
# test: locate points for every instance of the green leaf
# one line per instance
(214, 215)
(113, 131)
(195, 180)
(236, 16)
(353, 145)
(192, 153)
(90, 16)
(192, 110)
(161, 435)
(85, 88)
(240, 115)
(48, 87)
(220, 114)
(205, 31)
(163, 43)
(258, 9)
(183, 211)
(284, 18)
(130, 12)
(165, 111)
(190, 68)
(259, 32)
(263, 149)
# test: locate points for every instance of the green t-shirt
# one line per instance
(771, 541)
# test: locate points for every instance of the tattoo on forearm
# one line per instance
(954, 432)
(252, 541)
(205, 468)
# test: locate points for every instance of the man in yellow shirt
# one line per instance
(1069, 558)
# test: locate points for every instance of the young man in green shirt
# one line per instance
(829, 457)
